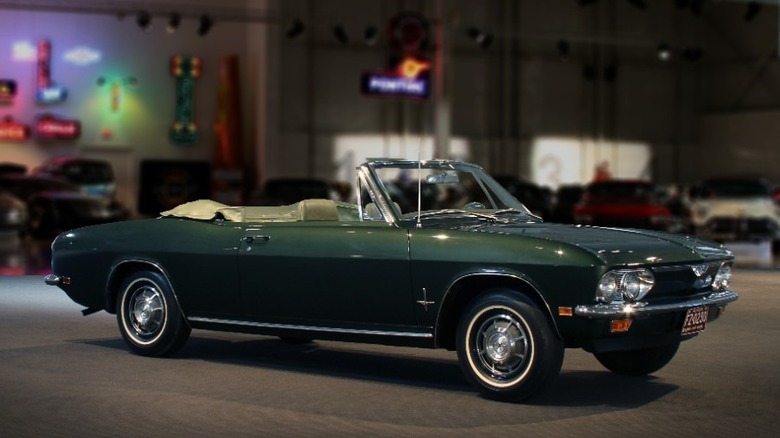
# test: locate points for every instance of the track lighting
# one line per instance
(173, 22)
(295, 29)
(144, 20)
(205, 25)
(753, 9)
(340, 34)
(664, 52)
(483, 39)
(370, 35)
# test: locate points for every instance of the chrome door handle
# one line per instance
(251, 239)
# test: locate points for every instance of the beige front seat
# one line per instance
(318, 210)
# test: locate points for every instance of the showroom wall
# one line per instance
(526, 104)
(522, 105)
(133, 66)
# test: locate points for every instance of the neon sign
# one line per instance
(49, 127)
(7, 89)
(47, 92)
(116, 90)
(410, 79)
(186, 69)
(82, 56)
(24, 51)
(12, 131)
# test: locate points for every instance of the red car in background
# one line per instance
(627, 204)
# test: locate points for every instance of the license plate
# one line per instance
(695, 320)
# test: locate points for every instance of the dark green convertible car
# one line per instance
(432, 254)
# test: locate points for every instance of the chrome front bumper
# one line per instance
(55, 280)
(627, 310)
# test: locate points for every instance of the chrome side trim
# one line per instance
(645, 309)
(310, 328)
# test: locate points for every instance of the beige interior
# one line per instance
(306, 210)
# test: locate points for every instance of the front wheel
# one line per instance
(507, 348)
(638, 362)
(149, 317)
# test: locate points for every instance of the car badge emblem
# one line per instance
(699, 270)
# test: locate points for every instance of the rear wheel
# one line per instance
(507, 348)
(149, 317)
(638, 362)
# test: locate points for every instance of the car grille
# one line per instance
(741, 225)
(681, 281)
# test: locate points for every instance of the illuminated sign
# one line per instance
(82, 56)
(24, 51)
(410, 79)
(12, 131)
(47, 92)
(49, 127)
(186, 69)
(7, 89)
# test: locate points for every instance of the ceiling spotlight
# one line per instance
(664, 52)
(480, 37)
(753, 9)
(564, 48)
(173, 22)
(340, 34)
(611, 73)
(639, 4)
(295, 29)
(692, 54)
(370, 35)
(205, 25)
(587, 2)
(144, 20)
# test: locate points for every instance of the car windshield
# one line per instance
(732, 188)
(444, 189)
(621, 191)
(88, 172)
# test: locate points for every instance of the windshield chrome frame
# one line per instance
(368, 178)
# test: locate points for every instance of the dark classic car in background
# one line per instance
(468, 268)
(55, 205)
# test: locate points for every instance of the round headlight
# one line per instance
(723, 277)
(608, 287)
(636, 284)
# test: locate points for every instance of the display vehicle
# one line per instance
(465, 268)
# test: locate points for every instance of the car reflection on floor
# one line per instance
(28, 256)
(23, 255)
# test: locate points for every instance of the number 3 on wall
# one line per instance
(186, 69)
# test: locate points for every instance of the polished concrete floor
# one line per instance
(66, 375)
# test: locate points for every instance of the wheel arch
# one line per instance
(123, 269)
(468, 287)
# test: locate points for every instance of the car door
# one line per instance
(327, 274)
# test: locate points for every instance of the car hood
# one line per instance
(614, 246)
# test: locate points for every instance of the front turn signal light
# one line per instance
(619, 325)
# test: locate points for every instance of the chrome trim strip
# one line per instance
(310, 328)
(645, 309)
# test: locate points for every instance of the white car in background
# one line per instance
(735, 210)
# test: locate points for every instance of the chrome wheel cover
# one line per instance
(501, 347)
(145, 313)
